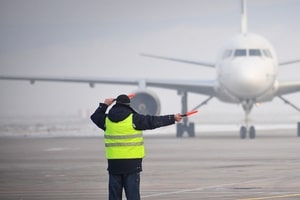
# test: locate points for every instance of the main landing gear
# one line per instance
(294, 106)
(186, 126)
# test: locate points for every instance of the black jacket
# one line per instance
(140, 122)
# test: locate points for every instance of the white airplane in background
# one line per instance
(246, 69)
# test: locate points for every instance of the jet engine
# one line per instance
(145, 102)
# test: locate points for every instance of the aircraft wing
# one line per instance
(90, 80)
(196, 86)
(289, 62)
(202, 63)
(205, 87)
(288, 87)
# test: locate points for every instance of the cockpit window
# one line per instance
(227, 53)
(240, 52)
(247, 52)
(267, 53)
(254, 52)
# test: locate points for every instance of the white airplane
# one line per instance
(246, 68)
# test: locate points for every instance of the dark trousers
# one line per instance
(130, 183)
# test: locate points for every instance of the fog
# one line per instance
(105, 38)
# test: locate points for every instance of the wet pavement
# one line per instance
(210, 166)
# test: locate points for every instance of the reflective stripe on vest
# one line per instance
(122, 141)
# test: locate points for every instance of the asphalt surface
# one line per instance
(209, 166)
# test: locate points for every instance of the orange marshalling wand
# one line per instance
(189, 113)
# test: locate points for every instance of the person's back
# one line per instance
(124, 143)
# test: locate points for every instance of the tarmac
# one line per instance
(215, 165)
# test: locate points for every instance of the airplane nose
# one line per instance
(249, 80)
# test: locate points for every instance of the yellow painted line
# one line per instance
(272, 197)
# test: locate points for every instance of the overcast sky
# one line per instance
(104, 38)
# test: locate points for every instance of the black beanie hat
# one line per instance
(123, 99)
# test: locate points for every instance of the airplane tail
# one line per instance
(243, 17)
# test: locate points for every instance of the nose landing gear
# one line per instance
(244, 130)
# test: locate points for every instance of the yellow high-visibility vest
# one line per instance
(122, 141)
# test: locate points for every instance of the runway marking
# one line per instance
(272, 197)
(62, 149)
(211, 187)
